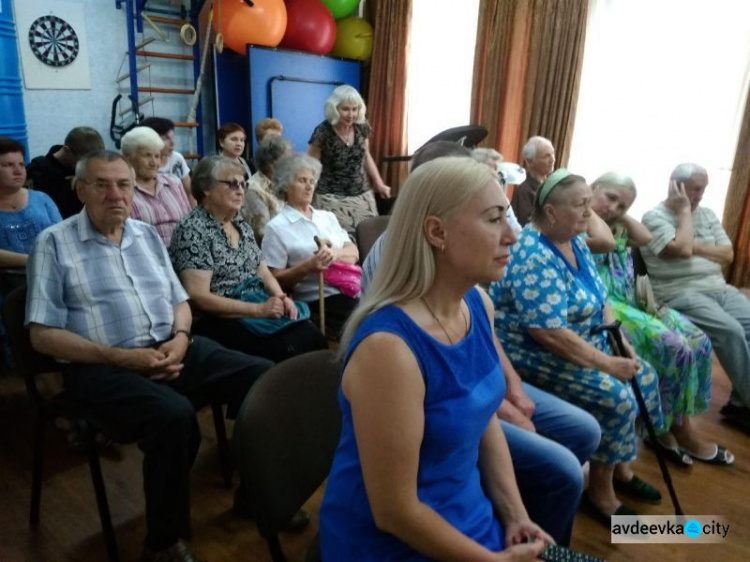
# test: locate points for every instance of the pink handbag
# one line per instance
(346, 277)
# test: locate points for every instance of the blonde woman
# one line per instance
(423, 470)
(349, 175)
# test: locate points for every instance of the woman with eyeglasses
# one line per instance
(302, 242)
(214, 252)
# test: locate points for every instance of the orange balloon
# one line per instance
(255, 22)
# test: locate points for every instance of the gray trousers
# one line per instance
(724, 315)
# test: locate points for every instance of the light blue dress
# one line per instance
(541, 289)
(19, 229)
(464, 387)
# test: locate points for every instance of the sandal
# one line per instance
(679, 457)
(722, 457)
(638, 489)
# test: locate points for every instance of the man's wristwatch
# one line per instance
(187, 333)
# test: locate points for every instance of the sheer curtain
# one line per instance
(441, 62)
(664, 82)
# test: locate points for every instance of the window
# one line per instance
(441, 64)
(663, 83)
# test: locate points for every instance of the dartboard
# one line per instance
(53, 41)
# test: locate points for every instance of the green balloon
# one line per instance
(341, 8)
(353, 39)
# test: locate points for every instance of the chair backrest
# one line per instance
(29, 362)
(286, 434)
(368, 231)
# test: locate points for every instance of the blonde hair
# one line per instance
(440, 188)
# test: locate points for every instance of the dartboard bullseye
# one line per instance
(53, 41)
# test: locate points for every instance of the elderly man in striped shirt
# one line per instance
(104, 300)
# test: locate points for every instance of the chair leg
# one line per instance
(274, 547)
(101, 493)
(221, 440)
(40, 425)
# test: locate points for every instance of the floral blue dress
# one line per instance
(542, 289)
(678, 350)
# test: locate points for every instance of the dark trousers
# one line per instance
(160, 416)
(338, 308)
(295, 339)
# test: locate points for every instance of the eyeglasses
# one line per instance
(234, 185)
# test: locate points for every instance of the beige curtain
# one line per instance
(554, 72)
(527, 71)
(737, 206)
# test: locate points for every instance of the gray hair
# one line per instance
(270, 149)
(341, 94)
(529, 149)
(556, 196)
(82, 166)
(486, 155)
(287, 168)
(206, 174)
(614, 179)
(141, 137)
(683, 172)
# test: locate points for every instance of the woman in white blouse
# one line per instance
(290, 248)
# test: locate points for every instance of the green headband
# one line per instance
(550, 183)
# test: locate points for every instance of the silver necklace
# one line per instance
(466, 321)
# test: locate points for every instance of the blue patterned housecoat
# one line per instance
(541, 289)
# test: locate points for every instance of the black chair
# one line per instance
(639, 264)
(32, 364)
(284, 439)
(367, 233)
(465, 135)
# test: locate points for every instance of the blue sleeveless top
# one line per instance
(464, 387)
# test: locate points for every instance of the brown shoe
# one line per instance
(178, 552)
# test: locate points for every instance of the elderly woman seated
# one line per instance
(261, 203)
(307, 250)
(546, 307)
(672, 344)
(159, 199)
(213, 251)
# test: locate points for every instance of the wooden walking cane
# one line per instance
(321, 293)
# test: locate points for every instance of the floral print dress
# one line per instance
(541, 289)
(343, 187)
(678, 350)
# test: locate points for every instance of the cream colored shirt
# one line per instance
(674, 276)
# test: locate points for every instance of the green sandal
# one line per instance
(638, 489)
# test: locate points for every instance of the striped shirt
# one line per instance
(164, 209)
(116, 295)
(672, 277)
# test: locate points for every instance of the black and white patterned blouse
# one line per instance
(199, 242)
(343, 165)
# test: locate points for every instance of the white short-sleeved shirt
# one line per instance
(671, 277)
(175, 167)
(290, 240)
